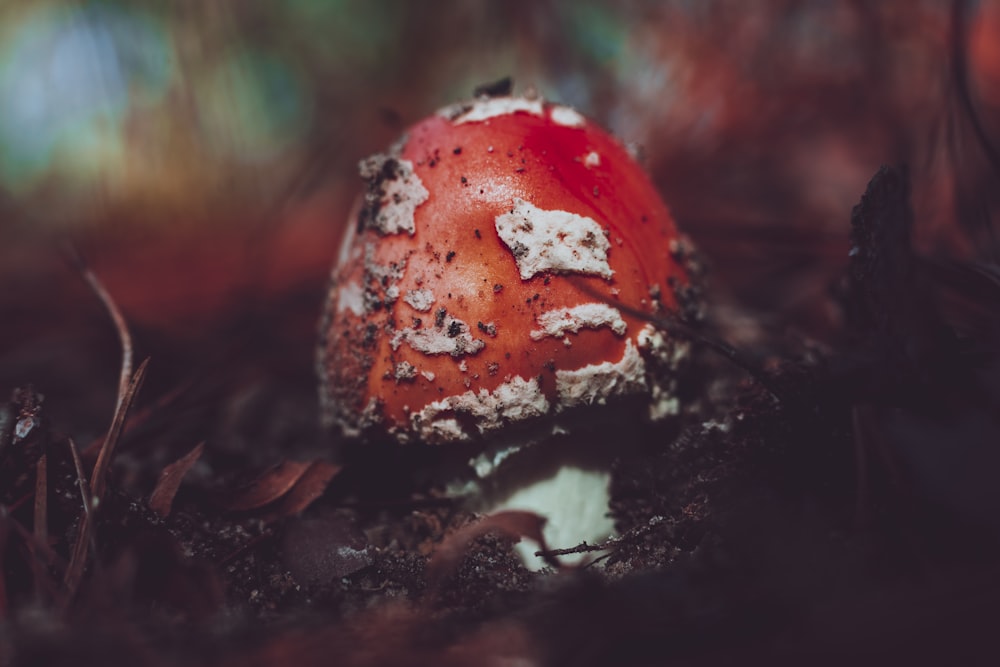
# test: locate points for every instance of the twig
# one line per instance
(581, 548)
(673, 323)
(607, 544)
(81, 478)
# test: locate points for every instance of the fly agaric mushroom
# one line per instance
(475, 302)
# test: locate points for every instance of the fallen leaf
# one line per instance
(162, 499)
(307, 489)
(269, 487)
(515, 524)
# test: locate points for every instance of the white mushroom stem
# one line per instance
(565, 479)
(575, 503)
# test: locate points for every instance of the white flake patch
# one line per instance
(592, 159)
(405, 371)
(395, 198)
(663, 404)
(513, 401)
(438, 430)
(387, 274)
(596, 383)
(566, 116)
(557, 241)
(421, 299)
(486, 108)
(672, 353)
(351, 297)
(452, 337)
(381, 288)
(665, 354)
(486, 463)
(557, 323)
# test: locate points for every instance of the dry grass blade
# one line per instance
(162, 499)
(81, 478)
(98, 481)
(139, 417)
(41, 522)
(42, 560)
(116, 317)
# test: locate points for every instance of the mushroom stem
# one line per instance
(565, 479)
(574, 502)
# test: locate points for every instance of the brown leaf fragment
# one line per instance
(162, 499)
(275, 482)
(515, 524)
(309, 487)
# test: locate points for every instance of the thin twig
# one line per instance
(673, 323)
(607, 544)
(81, 478)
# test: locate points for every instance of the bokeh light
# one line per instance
(69, 77)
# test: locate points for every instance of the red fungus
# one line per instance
(476, 292)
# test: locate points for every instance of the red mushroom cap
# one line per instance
(478, 288)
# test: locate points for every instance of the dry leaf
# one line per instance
(269, 487)
(309, 487)
(162, 499)
(515, 524)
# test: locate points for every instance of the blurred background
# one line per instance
(201, 155)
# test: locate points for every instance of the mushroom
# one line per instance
(488, 298)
